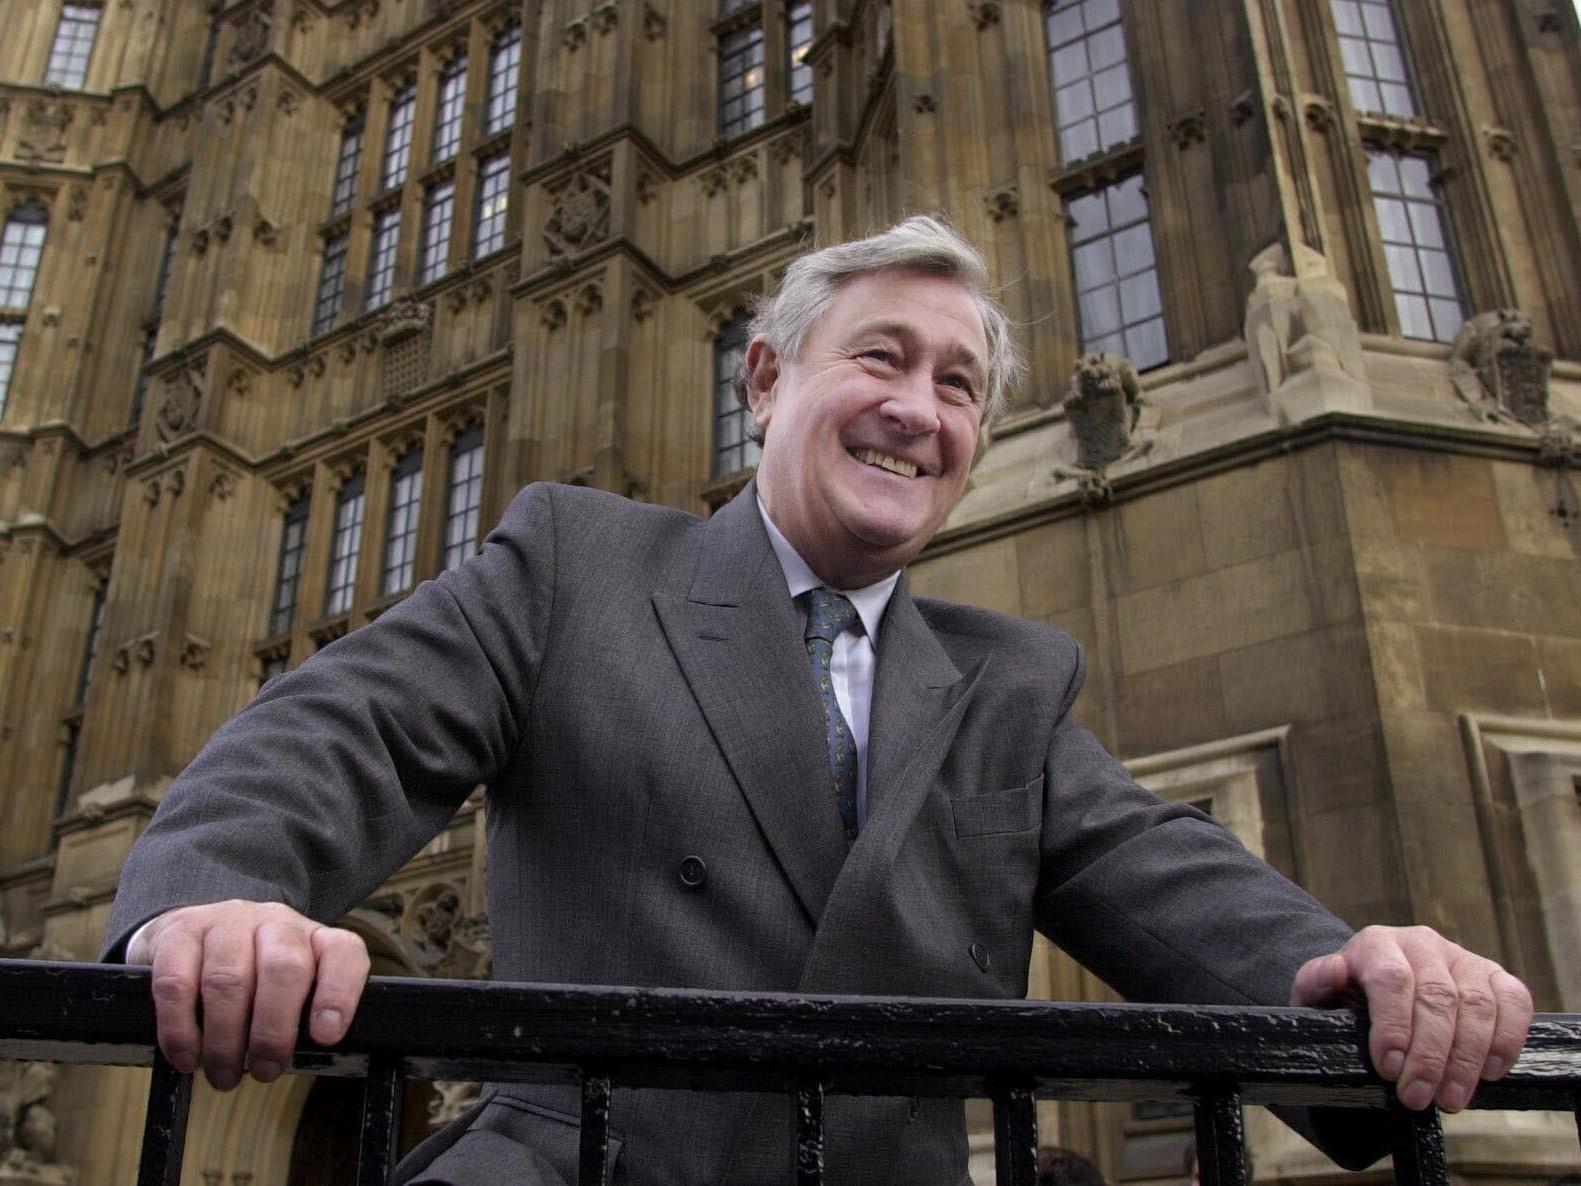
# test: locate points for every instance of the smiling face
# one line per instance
(869, 434)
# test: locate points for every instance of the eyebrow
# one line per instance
(957, 355)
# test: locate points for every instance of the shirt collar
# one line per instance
(870, 601)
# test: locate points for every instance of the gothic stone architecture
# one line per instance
(295, 293)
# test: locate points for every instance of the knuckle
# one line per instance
(1477, 999)
(285, 963)
(172, 988)
(1437, 996)
(223, 982)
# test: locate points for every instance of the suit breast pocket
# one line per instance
(998, 812)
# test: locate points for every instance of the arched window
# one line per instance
(734, 449)
(20, 250)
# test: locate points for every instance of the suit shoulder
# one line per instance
(579, 511)
(970, 631)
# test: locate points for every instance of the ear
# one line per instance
(763, 372)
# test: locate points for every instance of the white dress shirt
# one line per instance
(855, 656)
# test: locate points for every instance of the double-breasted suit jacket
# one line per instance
(631, 684)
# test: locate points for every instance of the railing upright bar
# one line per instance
(164, 1126)
(593, 1158)
(1221, 1139)
(1418, 1147)
(1015, 1136)
(381, 1122)
(809, 1132)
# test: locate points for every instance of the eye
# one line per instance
(881, 354)
(961, 384)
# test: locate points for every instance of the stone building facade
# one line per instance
(295, 293)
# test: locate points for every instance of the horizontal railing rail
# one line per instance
(807, 1047)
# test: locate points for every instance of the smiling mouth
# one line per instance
(894, 465)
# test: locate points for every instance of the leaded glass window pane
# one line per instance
(504, 64)
(493, 201)
(464, 497)
(1374, 56)
(400, 533)
(740, 80)
(439, 212)
(734, 450)
(288, 576)
(73, 46)
(90, 648)
(21, 248)
(798, 40)
(1117, 294)
(331, 285)
(345, 547)
(348, 165)
(447, 117)
(1422, 271)
(10, 345)
(398, 137)
(1093, 105)
(381, 265)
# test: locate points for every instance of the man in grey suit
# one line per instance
(736, 753)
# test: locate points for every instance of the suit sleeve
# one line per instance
(339, 771)
(1166, 905)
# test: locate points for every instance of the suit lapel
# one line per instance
(735, 637)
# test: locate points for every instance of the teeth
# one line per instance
(884, 461)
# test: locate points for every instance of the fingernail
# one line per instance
(1418, 1095)
(266, 1070)
(1494, 1068)
(1393, 1063)
(1456, 1097)
(329, 1018)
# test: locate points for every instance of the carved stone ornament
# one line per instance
(252, 38)
(605, 17)
(195, 652)
(1319, 113)
(653, 22)
(984, 12)
(404, 318)
(1303, 338)
(1003, 203)
(1104, 409)
(553, 315)
(1500, 141)
(1191, 128)
(642, 305)
(713, 182)
(573, 34)
(76, 203)
(581, 214)
(222, 485)
(589, 299)
(43, 137)
(178, 413)
(264, 231)
(171, 482)
(1499, 371)
(140, 649)
(28, 1128)
(924, 103)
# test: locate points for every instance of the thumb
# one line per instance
(1322, 982)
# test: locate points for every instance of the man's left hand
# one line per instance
(1443, 1018)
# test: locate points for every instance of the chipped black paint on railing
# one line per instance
(802, 1046)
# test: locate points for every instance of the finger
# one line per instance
(283, 960)
(343, 967)
(1323, 983)
(1509, 1031)
(226, 985)
(178, 960)
(1388, 984)
(1435, 1005)
(1475, 1016)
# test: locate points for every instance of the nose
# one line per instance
(912, 404)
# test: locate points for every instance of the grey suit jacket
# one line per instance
(631, 684)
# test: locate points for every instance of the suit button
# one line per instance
(693, 872)
(980, 956)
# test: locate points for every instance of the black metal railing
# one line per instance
(802, 1046)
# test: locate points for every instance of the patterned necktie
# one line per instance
(828, 616)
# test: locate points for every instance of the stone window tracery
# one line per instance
(398, 138)
(1374, 55)
(1416, 247)
(1119, 306)
(493, 202)
(348, 165)
(345, 546)
(21, 249)
(73, 46)
(741, 79)
(1093, 105)
(288, 573)
(504, 65)
(734, 449)
(464, 497)
(439, 212)
(400, 534)
(331, 284)
(381, 263)
(448, 113)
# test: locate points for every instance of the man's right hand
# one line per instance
(248, 967)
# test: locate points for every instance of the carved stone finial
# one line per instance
(1499, 371)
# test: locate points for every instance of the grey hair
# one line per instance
(919, 244)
